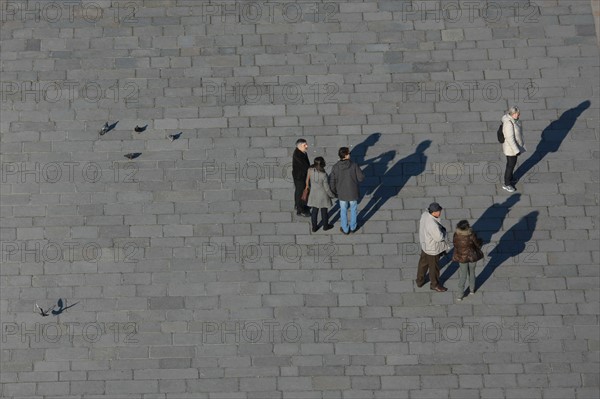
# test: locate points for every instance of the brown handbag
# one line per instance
(304, 196)
(477, 253)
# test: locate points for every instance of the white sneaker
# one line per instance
(510, 189)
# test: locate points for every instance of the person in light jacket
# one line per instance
(432, 236)
(467, 251)
(344, 180)
(513, 145)
(320, 195)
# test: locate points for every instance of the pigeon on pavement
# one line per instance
(133, 155)
(107, 128)
(140, 129)
(43, 312)
(174, 137)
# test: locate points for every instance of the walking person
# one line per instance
(467, 251)
(432, 236)
(320, 195)
(513, 145)
(300, 165)
(343, 181)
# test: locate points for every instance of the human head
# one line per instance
(514, 112)
(463, 225)
(435, 209)
(302, 145)
(344, 153)
(319, 164)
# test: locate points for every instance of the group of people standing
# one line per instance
(467, 246)
(343, 183)
(434, 245)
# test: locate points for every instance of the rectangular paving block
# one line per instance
(176, 226)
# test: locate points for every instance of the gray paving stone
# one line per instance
(350, 303)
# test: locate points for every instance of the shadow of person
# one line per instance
(511, 244)
(392, 180)
(488, 224)
(552, 137)
(358, 154)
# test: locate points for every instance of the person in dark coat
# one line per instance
(467, 251)
(343, 181)
(320, 195)
(300, 165)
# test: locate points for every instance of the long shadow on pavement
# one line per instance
(552, 137)
(511, 244)
(392, 180)
(488, 224)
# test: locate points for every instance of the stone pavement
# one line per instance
(189, 275)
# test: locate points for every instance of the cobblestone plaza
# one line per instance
(183, 272)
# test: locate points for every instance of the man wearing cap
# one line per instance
(432, 236)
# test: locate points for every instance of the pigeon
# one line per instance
(107, 128)
(174, 137)
(140, 129)
(133, 155)
(62, 307)
(43, 312)
(104, 129)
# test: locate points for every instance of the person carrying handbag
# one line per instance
(467, 251)
(319, 194)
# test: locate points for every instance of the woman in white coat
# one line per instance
(513, 145)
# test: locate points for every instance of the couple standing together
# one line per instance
(434, 245)
(343, 183)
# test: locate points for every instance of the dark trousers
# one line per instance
(428, 263)
(324, 216)
(511, 162)
(299, 205)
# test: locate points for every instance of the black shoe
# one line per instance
(315, 228)
(353, 231)
(343, 232)
(327, 227)
(305, 214)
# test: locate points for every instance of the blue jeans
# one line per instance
(344, 215)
